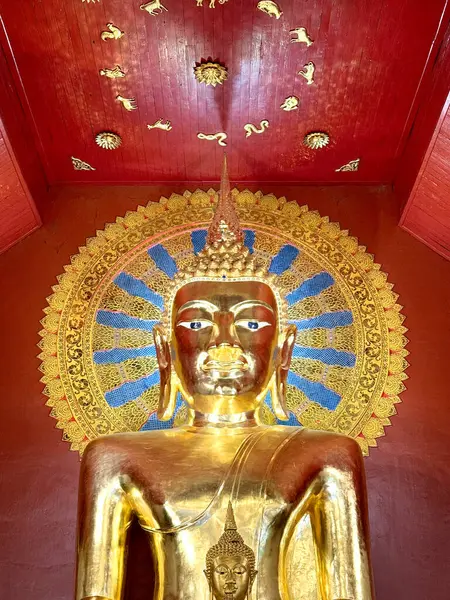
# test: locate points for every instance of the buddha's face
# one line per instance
(230, 577)
(224, 343)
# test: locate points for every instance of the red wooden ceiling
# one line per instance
(369, 56)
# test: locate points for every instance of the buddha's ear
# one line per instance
(168, 392)
(279, 381)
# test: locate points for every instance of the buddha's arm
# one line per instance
(336, 503)
(103, 521)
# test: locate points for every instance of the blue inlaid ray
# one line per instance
(131, 390)
(136, 287)
(329, 356)
(163, 260)
(310, 287)
(119, 320)
(198, 239)
(315, 391)
(340, 318)
(118, 355)
(291, 422)
(154, 423)
(282, 261)
(249, 240)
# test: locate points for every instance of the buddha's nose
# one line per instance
(224, 332)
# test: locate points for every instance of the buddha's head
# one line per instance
(225, 342)
(230, 564)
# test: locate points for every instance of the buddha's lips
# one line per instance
(224, 367)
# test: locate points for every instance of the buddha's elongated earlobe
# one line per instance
(168, 379)
(278, 383)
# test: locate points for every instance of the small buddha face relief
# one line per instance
(230, 579)
(225, 337)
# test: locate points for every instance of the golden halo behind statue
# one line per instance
(98, 358)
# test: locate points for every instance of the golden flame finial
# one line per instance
(230, 522)
(225, 225)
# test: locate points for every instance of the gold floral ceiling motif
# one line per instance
(316, 140)
(98, 357)
(108, 140)
(210, 72)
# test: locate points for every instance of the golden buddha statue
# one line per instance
(297, 494)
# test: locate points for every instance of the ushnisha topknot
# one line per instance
(225, 256)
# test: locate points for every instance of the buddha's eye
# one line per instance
(221, 570)
(195, 325)
(252, 325)
(239, 570)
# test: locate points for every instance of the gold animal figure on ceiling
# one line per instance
(250, 128)
(115, 73)
(270, 8)
(300, 35)
(212, 3)
(114, 33)
(220, 137)
(290, 103)
(308, 72)
(159, 124)
(154, 7)
(128, 103)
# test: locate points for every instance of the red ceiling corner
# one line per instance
(23, 185)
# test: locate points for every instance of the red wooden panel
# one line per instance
(427, 214)
(18, 215)
(369, 56)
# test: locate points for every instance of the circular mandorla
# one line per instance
(98, 359)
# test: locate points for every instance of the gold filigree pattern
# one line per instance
(116, 73)
(81, 165)
(308, 72)
(76, 385)
(290, 103)
(353, 165)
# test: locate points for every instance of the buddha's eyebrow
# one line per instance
(203, 304)
(237, 308)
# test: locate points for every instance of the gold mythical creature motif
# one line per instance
(300, 35)
(290, 103)
(153, 8)
(298, 494)
(353, 165)
(116, 73)
(219, 137)
(316, 140)
(250, 128)
(80, 165)
(308, 72)
(160, 124)
(230, 564)
(212, 3)
(210, 72)
(270, 8)
(128, 103)
(114, 33)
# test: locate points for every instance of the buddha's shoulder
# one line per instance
(121, 444)
(327, 445)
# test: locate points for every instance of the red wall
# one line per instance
(427, 213)
(408, 475)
